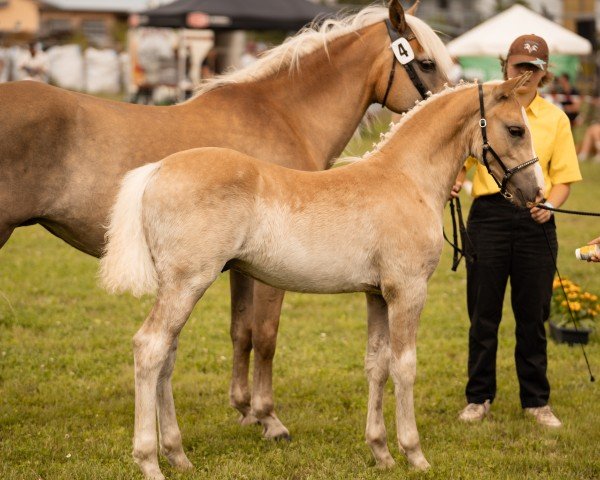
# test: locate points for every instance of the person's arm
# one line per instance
(458, 183)
(595, 258)
(557, 196)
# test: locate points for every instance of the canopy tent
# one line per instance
(235, 14)
(494, 36)
(478, 49)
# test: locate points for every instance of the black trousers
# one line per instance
(509, 244)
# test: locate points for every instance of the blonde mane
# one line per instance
(311, 38)
(386, 137)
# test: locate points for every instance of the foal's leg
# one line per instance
(267, 309)
(169, 433)
(404, 310)
(242, 315)
(377, 362)
(152, 346)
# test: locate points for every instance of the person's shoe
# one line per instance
(475, 412)
(544, 416)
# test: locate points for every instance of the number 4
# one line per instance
(403, 51)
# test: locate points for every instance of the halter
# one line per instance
(408, 65)
(508, 172)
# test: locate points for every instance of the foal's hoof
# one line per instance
(182, 464)
(385, 462)
(248, 419)
(421, 465)
(277, 433)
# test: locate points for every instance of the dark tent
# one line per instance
(235, 14)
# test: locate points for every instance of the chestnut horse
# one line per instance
(178, 222)
(63, 154)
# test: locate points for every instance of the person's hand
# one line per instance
(455, 189)
(594, 258)
(540, 215)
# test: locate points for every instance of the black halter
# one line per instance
(409, 67)
(508, 172)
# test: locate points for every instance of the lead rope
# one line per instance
(592, 378)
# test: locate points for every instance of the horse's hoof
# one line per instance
(385, 463)
(421, 465)
(277, 434)
(183, 464)
(248, 419)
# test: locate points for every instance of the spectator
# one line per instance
(591, 143)
(570, 99)
(35, 65)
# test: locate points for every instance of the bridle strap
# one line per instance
(390, 80)
(409, 67)
(508, 172)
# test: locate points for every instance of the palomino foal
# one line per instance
(179, 222)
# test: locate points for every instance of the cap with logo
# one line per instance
(529, 49)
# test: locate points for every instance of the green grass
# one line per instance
(66, 379)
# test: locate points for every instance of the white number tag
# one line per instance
(403, 51)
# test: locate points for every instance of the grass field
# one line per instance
(66, 379)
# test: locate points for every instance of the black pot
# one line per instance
(569, 335)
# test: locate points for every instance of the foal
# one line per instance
(179, 222)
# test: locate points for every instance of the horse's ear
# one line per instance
(504, 90)
(413, 10)
(397, 15)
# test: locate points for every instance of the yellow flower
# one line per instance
(563, 303)
(576, 306)
(593, 298)
(572, 295)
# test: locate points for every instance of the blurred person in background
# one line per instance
(591, 143)
(570, 100)
(35, 65)
(511, 242)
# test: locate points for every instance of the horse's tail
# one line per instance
(127, 263)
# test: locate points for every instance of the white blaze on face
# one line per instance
(539, 175)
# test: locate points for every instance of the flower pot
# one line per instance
(569, 335)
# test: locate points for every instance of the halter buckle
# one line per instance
(483, 123)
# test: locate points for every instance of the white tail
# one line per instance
(127, 263)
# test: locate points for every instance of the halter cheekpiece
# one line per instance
(408, 65)
(508, 172)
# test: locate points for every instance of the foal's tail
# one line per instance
(127, 263)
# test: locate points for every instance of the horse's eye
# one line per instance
(516, 131)
(427, 65)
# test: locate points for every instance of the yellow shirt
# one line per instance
(553, 144)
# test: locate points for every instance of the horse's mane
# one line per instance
(385, 137)
(315, 36)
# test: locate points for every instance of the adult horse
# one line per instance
(63, 154)
(178, 222)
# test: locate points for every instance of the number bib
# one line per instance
(403, 51)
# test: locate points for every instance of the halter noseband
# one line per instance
(409, 67)
(508, 172)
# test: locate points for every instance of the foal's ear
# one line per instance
(504, 90)
(413, 9)
(397, 15)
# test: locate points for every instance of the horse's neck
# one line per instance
(324, 101)
(431, 147)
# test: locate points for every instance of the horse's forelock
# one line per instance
(431, 43)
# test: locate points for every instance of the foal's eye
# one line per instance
(427, 65)
(516, 131)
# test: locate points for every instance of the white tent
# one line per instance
(494, 36)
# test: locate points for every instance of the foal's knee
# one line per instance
(262, 406)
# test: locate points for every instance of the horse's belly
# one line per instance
(313, 272)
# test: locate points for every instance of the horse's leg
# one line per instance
(152, 347)
(377, 363)
(267, 309)
(404, 310)
(169, 433)
(5, 233)
(242, 315)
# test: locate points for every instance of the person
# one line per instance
(511, 242)
(590, 143)
(569, 100)
(35, 64)
(594, 258)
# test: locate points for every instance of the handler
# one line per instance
(513, 242)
